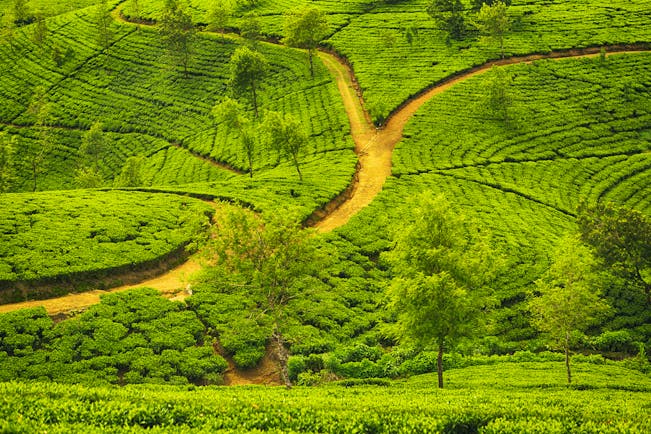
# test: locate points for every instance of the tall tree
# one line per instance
(218, 16)
(7, 29)
(621, 237)
(269, 256)
(449, 16)
(41, 30)
(286, 135)
(88, 177)
(40, 109)
(93, 144)
(493, 22)
(498, 97)
(477, 4)
(231, 113)
(21, 13)
(251, 28)
(443, 267)
(131, 174)
(306, 28)
(567, 302)
(103, 22)
(7, 161)
(247, 68)
(178, 33)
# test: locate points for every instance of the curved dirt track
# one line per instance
(374, 148)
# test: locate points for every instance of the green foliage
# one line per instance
(7, 161)
(219, 15)
(130, 337)
(40, 31)
(103, 21)
(601, 403)
(449, 16)
(286, 136)
(68, 235)
(247, 68)
(132, 173)
(621, 237)
(306, 28)
(568, 302)
(93, 145)
(443, 266)
(270, 258)
(493, 21)
(178, 33)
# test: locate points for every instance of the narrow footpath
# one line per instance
(374, 148)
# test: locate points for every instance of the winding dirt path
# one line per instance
(374, 148)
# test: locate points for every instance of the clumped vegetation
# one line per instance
(117, 116)
(67, 236)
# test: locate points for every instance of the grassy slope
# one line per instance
(574, 134)
(524, 397)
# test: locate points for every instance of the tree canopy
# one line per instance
(267, 255)
(443, 265)
(449, 17)
(306, 28)
(493, 22)
(568, 302)
(621, 238)
(247, 68)
(178, 33)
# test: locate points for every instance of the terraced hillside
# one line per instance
(561, 132)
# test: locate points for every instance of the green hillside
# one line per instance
(606, 401)
(114, 162)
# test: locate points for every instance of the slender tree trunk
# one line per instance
(439, 366)
(255, 99)
(567, 358)
(283, 357)
(298, 169)
(309, 54)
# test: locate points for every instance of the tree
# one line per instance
(7, 29)
(88, 177)
(247, 68)
(40, 30)
(93, 144)
(621, 238)
(178, 33)
(250, 28)
(286, 135)
(498, 98)
(103, 22)
(306, 28)
(477, 4)
(449, 16)
(231, 113)
(443, 266)
(268, 256)
(131, 174)
(567, 303)
(492, 21)
(219, 16)
(40, 108)
(21, 13)
(7, 162)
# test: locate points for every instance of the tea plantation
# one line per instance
(114, 162)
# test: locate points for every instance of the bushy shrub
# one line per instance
(615, 341)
